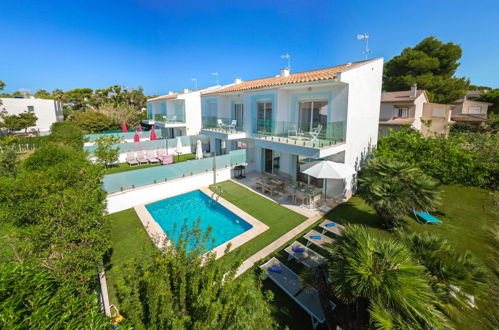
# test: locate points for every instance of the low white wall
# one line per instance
(147, 194)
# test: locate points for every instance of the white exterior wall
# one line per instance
(47, 111)
(418, 111)
(364, 98)
(192, 108)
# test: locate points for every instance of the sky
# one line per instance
(162, 45)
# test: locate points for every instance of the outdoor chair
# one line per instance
(141, 158)
(232, 125)
(294, 133)
(168, 160)
(130, 159)
(314, 134)
(425, 217)
(306, 297)
(331, 227)
(304, 255)
(151, 157)
(161, 153)
(220, 124)
(318, 239)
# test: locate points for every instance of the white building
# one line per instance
(178, 113)
(47, 111)
(287, 120)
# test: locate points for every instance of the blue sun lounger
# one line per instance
(426, 217)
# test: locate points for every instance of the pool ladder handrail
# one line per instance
(216, 195)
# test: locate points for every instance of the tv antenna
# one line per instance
(364, 37)
(287, 57)
(215, 74)
(195, 82)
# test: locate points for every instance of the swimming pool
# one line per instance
(170, 214)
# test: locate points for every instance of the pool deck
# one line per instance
(159, 238)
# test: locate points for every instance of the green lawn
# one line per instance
(279, 219)
(124, 167)
(129, 240)
(468, 223)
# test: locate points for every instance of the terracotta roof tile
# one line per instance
(165, 97)
(397, 121)
(293, 78)
(400, 96)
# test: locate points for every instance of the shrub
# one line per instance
(92, 121)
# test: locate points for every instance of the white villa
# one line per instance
(47, 111)
(290, 119)
(178, 114)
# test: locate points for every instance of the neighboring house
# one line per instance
(287, 120)
(412, 107)
(473, 95)
(470, 112)
(47, 111)
(177, 113)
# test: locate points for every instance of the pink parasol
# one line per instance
(123, 127)
(136, 137)
(153, 134)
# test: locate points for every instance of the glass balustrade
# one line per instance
(222, 124)
(133, 179)
(309, 135)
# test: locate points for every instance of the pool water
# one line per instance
(170, 214)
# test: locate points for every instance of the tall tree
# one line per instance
(432, 65)
(381, 279)
(18, 122)
(42, 94)
(178, 288)
(394, 188)
(491, 97)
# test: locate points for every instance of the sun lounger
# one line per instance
(141, 158)
(425, 217)
(332, 227)
(289, 282)
(130, 159)
(304, 255)
(168, 160)
(151, 157)
(316, 238)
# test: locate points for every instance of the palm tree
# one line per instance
(380, 278)
(454, 275)
(394, 188)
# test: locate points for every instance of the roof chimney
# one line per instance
(170, 92)
(285, 72)
(414, 89)
(186, 90)
(237, 81)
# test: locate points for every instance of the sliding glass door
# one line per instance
(264, 117)
(312, 115)
(238, 115)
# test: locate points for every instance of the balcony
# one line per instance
(168, 121)
(223, 128)
(323, 139)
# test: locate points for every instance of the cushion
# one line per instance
(331, 224)
(275, 269)
(315, 237)
(298, 249)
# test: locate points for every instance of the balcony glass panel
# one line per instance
(133, 179)
(318, 134)
(222, 125)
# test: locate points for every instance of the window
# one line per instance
(264, 117)
(438, 112)
(238, 115)
(212, 109)
(475, 110)
(400, 113)
(311, 115)
(31, 108)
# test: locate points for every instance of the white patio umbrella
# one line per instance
(178, 149)
(199, 150)
(327, 169)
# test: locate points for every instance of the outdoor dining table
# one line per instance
(310, 193)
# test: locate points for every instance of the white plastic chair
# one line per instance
(314, 134)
